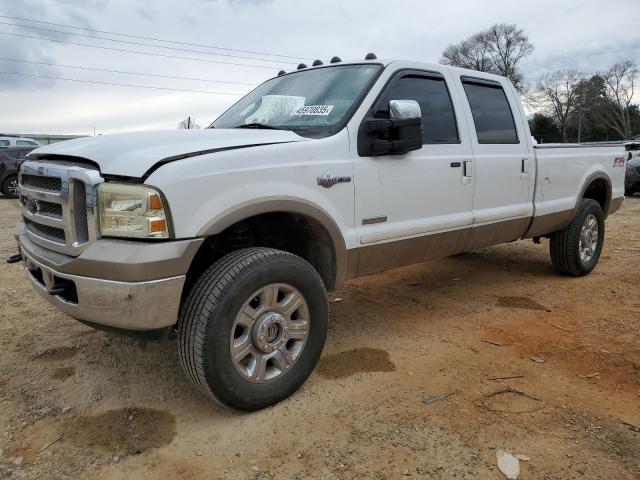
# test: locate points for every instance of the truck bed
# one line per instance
(558, 188)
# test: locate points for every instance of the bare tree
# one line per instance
(470, 53)
(188, 124)
(507, 46)
(557, 93)
(499, 50)
(619, 83)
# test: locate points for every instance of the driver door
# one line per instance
(418, 205)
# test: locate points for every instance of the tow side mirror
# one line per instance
(404, 109)
(400, 134)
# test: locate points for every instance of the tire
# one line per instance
(211, 326)
(565, 245)
(9, 186)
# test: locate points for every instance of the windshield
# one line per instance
(317, 101)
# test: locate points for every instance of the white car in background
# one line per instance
(8, 142)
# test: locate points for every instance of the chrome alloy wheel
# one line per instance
(269, 333)
(13, 188)
(588, 238)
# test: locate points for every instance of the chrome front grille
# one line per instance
(52, 233)
(42, 182)
(51, 209)
(58, 203)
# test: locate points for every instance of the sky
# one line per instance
(588, 35)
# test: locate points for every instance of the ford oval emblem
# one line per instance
(32, 206)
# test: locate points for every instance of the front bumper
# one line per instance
(632, 180)
(114, 284)
(137, 306)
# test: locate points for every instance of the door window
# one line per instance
(491, 112)
(438, 117)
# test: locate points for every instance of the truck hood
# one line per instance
(135, 154)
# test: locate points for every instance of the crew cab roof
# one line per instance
(386, 62)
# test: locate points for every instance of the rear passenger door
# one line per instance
(503, 164)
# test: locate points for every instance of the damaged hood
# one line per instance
(134, 154)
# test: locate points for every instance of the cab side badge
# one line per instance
(327, 180)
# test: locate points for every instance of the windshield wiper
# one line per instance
(258, 125)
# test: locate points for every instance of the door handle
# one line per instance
(456, 164)
(524, 170)
(467, 172)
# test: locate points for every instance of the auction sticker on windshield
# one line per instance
(322, 110)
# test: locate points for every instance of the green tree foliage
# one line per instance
(595, 108)
(557, 94)
(544, 129)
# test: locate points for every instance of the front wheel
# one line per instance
(10, 187)
(253, 327)
(575, 250)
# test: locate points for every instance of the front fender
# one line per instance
(274, 204)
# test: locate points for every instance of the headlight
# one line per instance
(131, 211)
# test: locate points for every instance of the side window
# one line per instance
(24, 143)
(438, 117)
(4, 143)
(491, 112)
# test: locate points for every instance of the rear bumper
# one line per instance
(147, 305)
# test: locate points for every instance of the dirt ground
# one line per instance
(78, 403)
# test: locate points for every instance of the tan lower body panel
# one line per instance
(386, 256)
(616, 204)
(546, 224)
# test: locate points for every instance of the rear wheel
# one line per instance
(253, 327)
(575, 250)
(10, 186)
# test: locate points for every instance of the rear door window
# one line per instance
(491, 112)
(4, 143)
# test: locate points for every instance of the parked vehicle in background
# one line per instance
(10, 161)
(234, 233)
(9, 142)
(632, 179)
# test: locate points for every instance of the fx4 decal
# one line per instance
(618, 162)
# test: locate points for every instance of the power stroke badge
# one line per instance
(327, 180)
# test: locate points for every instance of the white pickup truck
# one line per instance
(234, 233)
